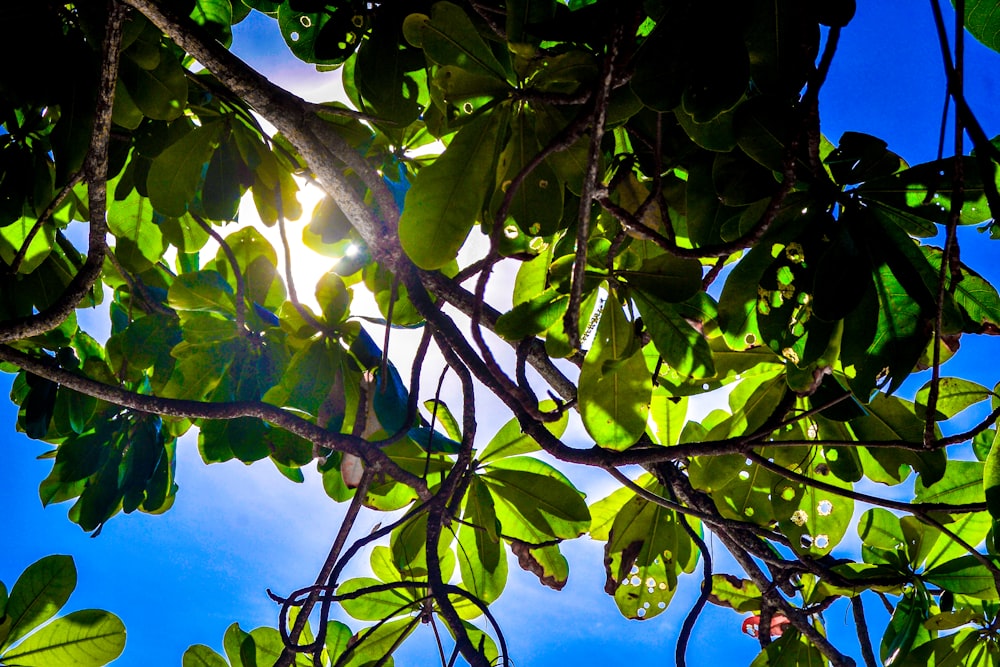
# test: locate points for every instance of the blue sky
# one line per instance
(183, 577)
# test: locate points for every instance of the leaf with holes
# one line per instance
(645, 552)
(814, 519)
(537, 203)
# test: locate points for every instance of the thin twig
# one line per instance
(291, 639)
(241, 287)
(46, 215)
(687, 627)
(571, 322)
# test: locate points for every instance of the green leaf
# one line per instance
(448, 37)
(861, 157)
(615, 385)
(202, 292)
(537, 203)
(954, 395)
(442, 415)
(928, 547)
(384, 73)
(991, 479)
(200, 655)
(745, 490)
(374, 644)
(176, 173)
(533, 316)
(965, 647)
(666, 278)
(377, 605)
(338, 639)
(201, 369)
(547, 563)
(961, 483)
(682, 347)
(231, 642)
(949, 620)
(535, 502)
(13, 237)
(789, 650)
(132, 220)
(899, 335)
(244, 438)
(257, 262)
(925, 191)
(41, 591)
(447, 196)
(160, 92)
(978, 298)
(881, 529)
(314, 382)
(964, 576)
(80, 639)
(333, 297)
(216, 16)
(905, 629)
(983, 22)
(265, 646)
(891, 418)
(753, 401)
(482, 561)
(511, 441)
(408, 545)
(328, 36)
(741, 595)
(645, 551)
(668, 415)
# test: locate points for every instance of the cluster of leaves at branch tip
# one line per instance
(678, 224)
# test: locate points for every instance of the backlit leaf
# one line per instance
(615, 386)
(79, 639)
(447, 196)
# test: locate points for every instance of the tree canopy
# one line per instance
(594, 212)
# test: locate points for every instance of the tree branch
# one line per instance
(95, 168)
(372, 456)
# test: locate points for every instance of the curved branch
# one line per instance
(241, 286)
(291, 639)
(372, 456)
(49, 211)
(706, 591)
